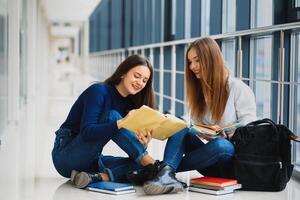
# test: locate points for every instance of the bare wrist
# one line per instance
(118, 123)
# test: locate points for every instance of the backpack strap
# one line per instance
(264, 121)
(295, 138)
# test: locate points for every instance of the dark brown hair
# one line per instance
(211, 91)
(146, 95)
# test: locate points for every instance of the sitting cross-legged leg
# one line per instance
(85, 160)
(165, 181)
(197, 156)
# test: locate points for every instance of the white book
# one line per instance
(230, 187)
(209, 191)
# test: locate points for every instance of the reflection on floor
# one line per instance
(63, 91)
(64, 87)
(61, 189)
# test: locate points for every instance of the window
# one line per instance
(229, 25)
(229, 52)
(229, 16)
(295, 117)
(205, 9)
(23, 53)
(261, 13)
(3, 64)
(297, 3)
(261, 60)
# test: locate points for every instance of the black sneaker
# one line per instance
(140, 176)
(83, 179)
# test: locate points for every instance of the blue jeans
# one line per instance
(71, 152)
(185, 151)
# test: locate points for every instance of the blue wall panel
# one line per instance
(243, 14)
(196, 18)
(128, 23)
(116, 24)
(180, 86)
(157, 19)
(167, 83)
(179, 109)
(180, 57)
(180, 18)
(215, 17)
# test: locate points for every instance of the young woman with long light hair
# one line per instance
(213, 98)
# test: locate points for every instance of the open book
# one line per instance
(165, 125)
(146, 118)
(209, 132)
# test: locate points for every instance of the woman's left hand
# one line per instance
(144, 139)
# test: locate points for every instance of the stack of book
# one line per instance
(111, 187)
(214, 185)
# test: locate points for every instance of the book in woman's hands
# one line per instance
(145, 119)
(209, 132)
(165, 125)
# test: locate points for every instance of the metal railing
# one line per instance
(102, 64)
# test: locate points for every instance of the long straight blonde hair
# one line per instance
(211, 91)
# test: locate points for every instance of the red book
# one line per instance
(213, 181)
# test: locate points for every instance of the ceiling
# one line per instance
(65, 15)
(69, 10)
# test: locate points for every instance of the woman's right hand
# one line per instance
(144, 139)
(120, 120)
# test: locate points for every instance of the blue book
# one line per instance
(111, 187)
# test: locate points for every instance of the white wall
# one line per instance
(20, 137)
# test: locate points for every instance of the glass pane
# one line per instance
(3, 64)
(229, 16)
(229, 52)
(205, 12)
(23, 52)
(262, 13)
(297, 158)
(262, 58)
(263, 94)
(297, 96)
(297, 3)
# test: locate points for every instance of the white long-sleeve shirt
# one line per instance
(240, 106)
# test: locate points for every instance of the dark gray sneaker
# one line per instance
(165, 182)
(73, 174)
(83, 179)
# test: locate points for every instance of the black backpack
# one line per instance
(262, 161)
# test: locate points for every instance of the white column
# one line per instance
(13, 60)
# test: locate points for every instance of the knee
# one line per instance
(112, 115)
(180, 134)
(224, 147)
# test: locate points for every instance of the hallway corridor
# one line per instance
(65, 83)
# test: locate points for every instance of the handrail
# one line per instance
(105, 52)
(254, 31)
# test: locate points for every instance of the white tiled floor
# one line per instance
(68, 86)
(61, 189)
(63, 89)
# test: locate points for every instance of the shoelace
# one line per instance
(95, 177)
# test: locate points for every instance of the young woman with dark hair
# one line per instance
(94, 120)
